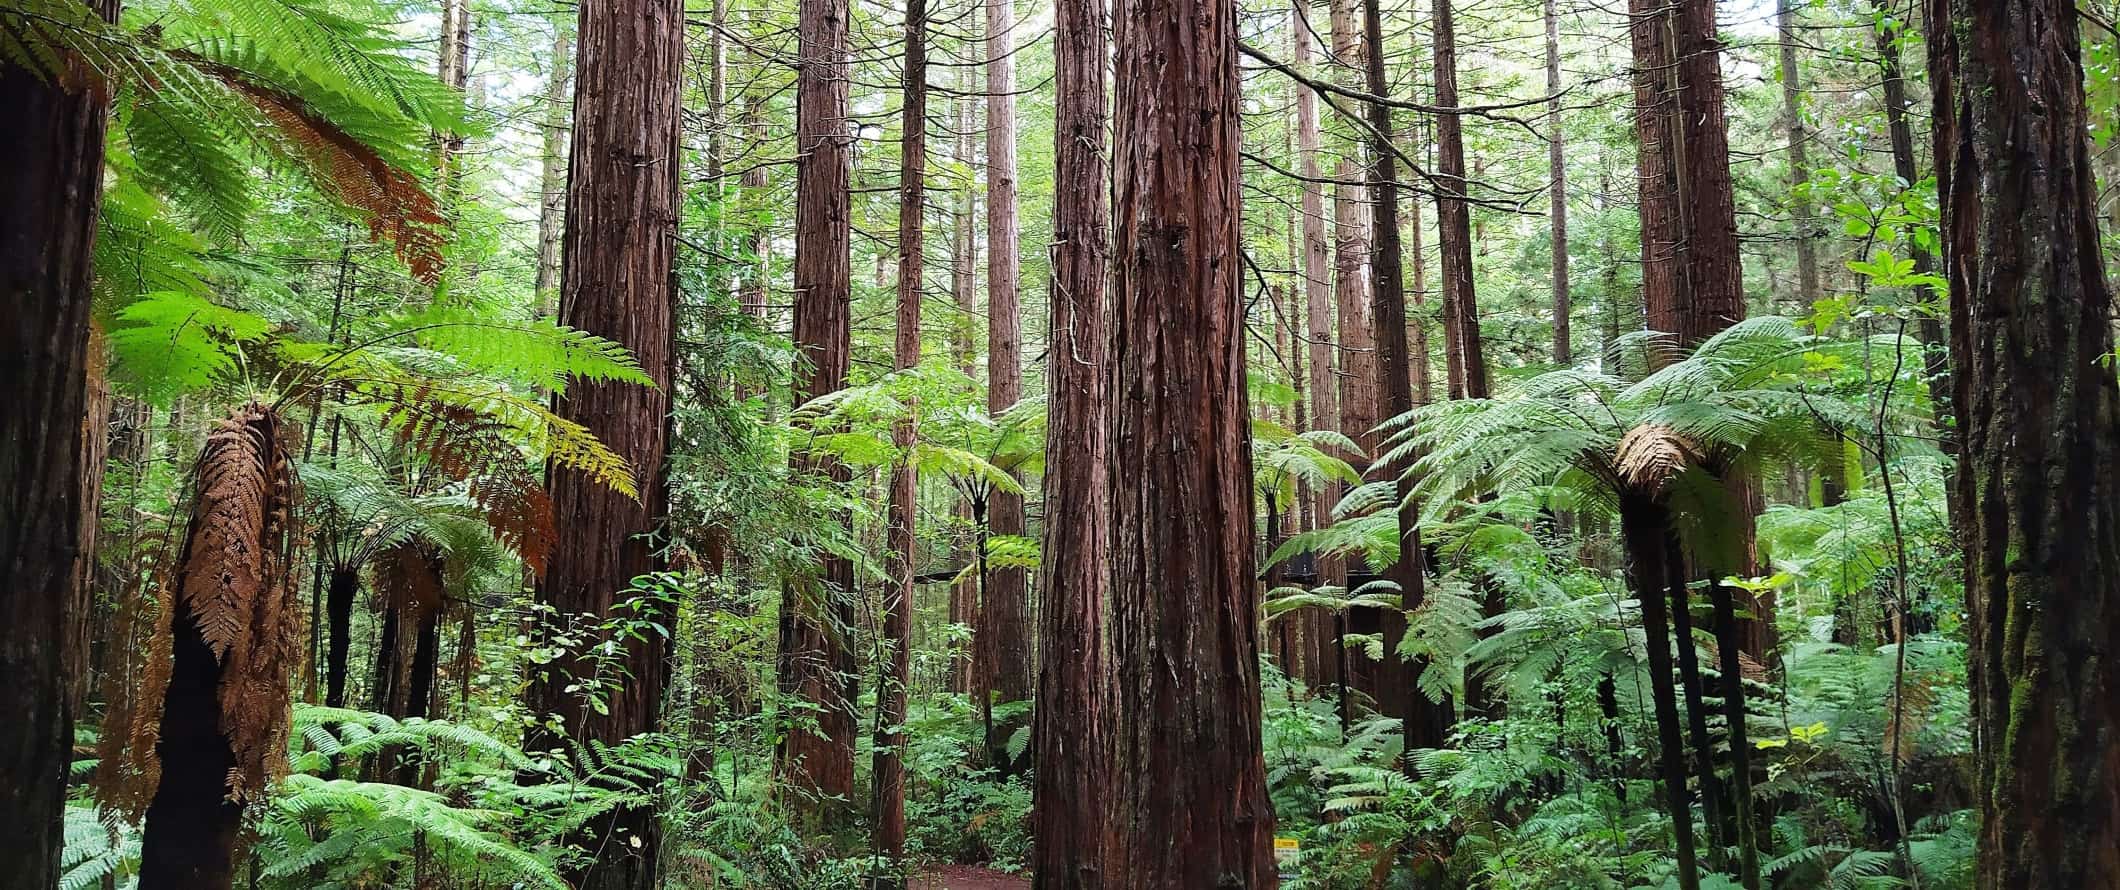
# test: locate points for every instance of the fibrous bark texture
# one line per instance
(1004, 603)
(816, 664)
(1189, 805)
(48, 202)
(1068, 731)
(2030, 329)
(619, 244)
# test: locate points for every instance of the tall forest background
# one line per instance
(1366, 444)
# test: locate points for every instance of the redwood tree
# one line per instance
(1069, 724)
(1004, 603)
(1189, 804)
(2031, 329)
(888, 816)
(619, 243)
(51, 174)
(816, 664)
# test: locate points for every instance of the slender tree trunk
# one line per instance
(1646, 528)
(619, 244)
(2031, 329)
(964, 258)
(1189, 805)
(1461, 313)
(1936, 359)
(1069, 724)
(1733, 696)
(1317, 300)
(1557, 162)
(1004, 607)
(816, 662)
(552, 188)
(49, 196)
(1804, 229)
(888, 769)
(1427, 722)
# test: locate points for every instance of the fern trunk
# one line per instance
(1690, 685)
(235, 638)
(49, 194)
(1645, 528)
(344, 586)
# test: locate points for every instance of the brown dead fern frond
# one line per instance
(399, 209)
(1650, 457)
(410, 579)
(474, 447)
(231, 588)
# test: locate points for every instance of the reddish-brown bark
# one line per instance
(2031, 330)
(887, 816)
(49, 196)
(1357, 360)
(1068, 731)
(1464, 355)
(1004, 604)
(816, 664)
(1189, 805)
(619, 244)
(1317, 301)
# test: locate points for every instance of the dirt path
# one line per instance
(965, 877)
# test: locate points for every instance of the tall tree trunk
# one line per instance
(1936, 355)
(1427, 722)
(1645, 526)
(1358, 407)
(1466, 357)
(49, 197)
(1189, 806)
(1804, 229)
(888, 768)
(1317, 314)
(964, 258)
(816, 662)
(1557, 162)
(1655, 103)
(1004, 604)
(1070, 725)
(619, 245)
(2030, 329)
(552, 184)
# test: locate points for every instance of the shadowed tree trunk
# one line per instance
(2031, 329)
(234, 640)
(816, 662)
(1465, 356)
(1189, 804)
(1936, 358)
(344, 587)
(619, 244)
(1004, 596)
(888, 813)
(1069, 724)
(50, 191)
(1645, 526)
(1427, 722)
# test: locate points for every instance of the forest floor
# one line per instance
(966, 877)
